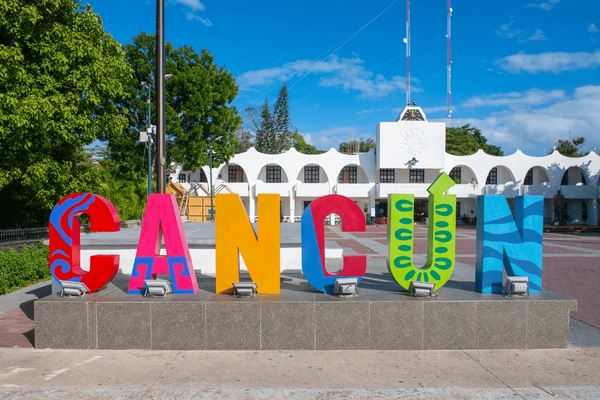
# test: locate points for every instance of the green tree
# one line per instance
(281, 120)
(301, 146)
(362, 145)
(62, 79)
(468, 140)
(272, 127)
(244, 138)
(264, 128)
(198, 108)
(570, 147)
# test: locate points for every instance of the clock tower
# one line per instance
(411, 141)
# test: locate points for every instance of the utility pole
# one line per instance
(149, 132)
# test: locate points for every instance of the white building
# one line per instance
(410, 154)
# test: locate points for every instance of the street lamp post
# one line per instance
(210, 155)
(212, 210)
(149, 131)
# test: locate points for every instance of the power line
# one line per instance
(344, 43)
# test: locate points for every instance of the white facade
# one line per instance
(410, 155)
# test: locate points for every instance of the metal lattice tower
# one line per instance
(407, 41)
(449, 62)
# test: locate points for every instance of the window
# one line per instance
(236, 174)
(181, 178)
(417, 175)
(458, 209)
(492, 178)
(529, 177)
(455, 174)
(348, 175)
(311, 174)
(203, 176)
(584, 212)
(565, 179)
(387, 175)
(273, 174)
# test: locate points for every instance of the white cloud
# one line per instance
(508, 31)
(195, 5)
(549, 62)
(332, 137)
(191, 16)
(544, 5)
(592, 28)
(533, 97)
(538, 35)
(347, 73)
(536, 131)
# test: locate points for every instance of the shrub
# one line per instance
(24, 267)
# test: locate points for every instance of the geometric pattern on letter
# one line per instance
(504, 242)
(441, 246)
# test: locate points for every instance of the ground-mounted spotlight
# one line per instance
(244, 289)
(345, 287)
(73, 289)
(157, 288)
(421, 289)
(516, 286)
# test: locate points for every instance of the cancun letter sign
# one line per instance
(64, 240)
(313, 241)
(515, 244)
(441, 244)
(234, 236)
(162, 215)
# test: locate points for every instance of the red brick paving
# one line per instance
(16, 327)
(354, 245)
(577, 277)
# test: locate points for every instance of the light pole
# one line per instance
(210, 155)
(150, 129)
(146, 86)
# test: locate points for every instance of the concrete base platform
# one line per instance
(382, 317)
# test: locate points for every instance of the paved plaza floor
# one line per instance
(571, 267)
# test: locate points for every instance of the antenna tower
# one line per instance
(449, 62)
(407, 41)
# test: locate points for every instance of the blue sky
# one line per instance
(525, 72)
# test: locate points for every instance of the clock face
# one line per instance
(412, 115)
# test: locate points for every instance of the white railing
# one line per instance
(578, 192)
(353, 189)
(419, 190)
(311, 189)
(509, 190)
(283, 189)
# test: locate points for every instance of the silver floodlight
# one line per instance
(345, 287)
(73, 289)
(243, 289)
(516, 286)
(421, 289)
(157, 288)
